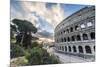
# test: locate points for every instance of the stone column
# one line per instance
(88, 34)
(77, 49)
(72, 49)
(92, 49)
(64, 49)
(81, 36)
(84, 51)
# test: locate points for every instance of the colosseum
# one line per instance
(75, 35)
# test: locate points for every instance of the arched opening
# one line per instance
(74, 48)
(89, 24)
(80, 49)
(73, 38)
(62, 48)
(64, 39)
(76, 27)
(85, 37)
(92, 35)
(61, 32)
(78, 38)
(64, 31)
(68, 39)
(61, 39)
(65, 48)
(88, 49)
(69, 48)
(68, 30)
(71, 29)
(94, 48)
(82, 25)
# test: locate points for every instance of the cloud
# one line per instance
(45, 34)
(53, 15)
(45, 16)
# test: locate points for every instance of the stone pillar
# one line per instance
(88, 34)
(92, 49)
(81, 36)
(79, 27)
(77, 49)
(64, 48)
(75, 36)
(72, 49)
(67, 49)
(84, 50)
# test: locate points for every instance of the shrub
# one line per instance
(36, 44)
(54, 59)
(16, 51)
(35, 56)
(40, 56)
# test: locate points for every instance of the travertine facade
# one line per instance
(76, 34)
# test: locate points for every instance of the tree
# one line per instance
(25, 29)
(12, 30)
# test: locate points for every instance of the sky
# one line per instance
(45, 16)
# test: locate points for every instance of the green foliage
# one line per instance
(54, 59)
(39, 56)
(16, 51)
(36, 44)
(33, 56)
(24, 25)
(33, 52)
(13, 28)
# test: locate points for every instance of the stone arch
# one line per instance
(73, 38)
(69, 48)
(65, 48)
(76, 27)
(64, 31)
(64, 39)
(61, 33)
(80, 49)
(62, 48)
(88, 49)
(74, 48)
(85, 36)
(68, 30)
(68, 39)
(71, 29)
(61, 39)
(92, 35)
(78, 37)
